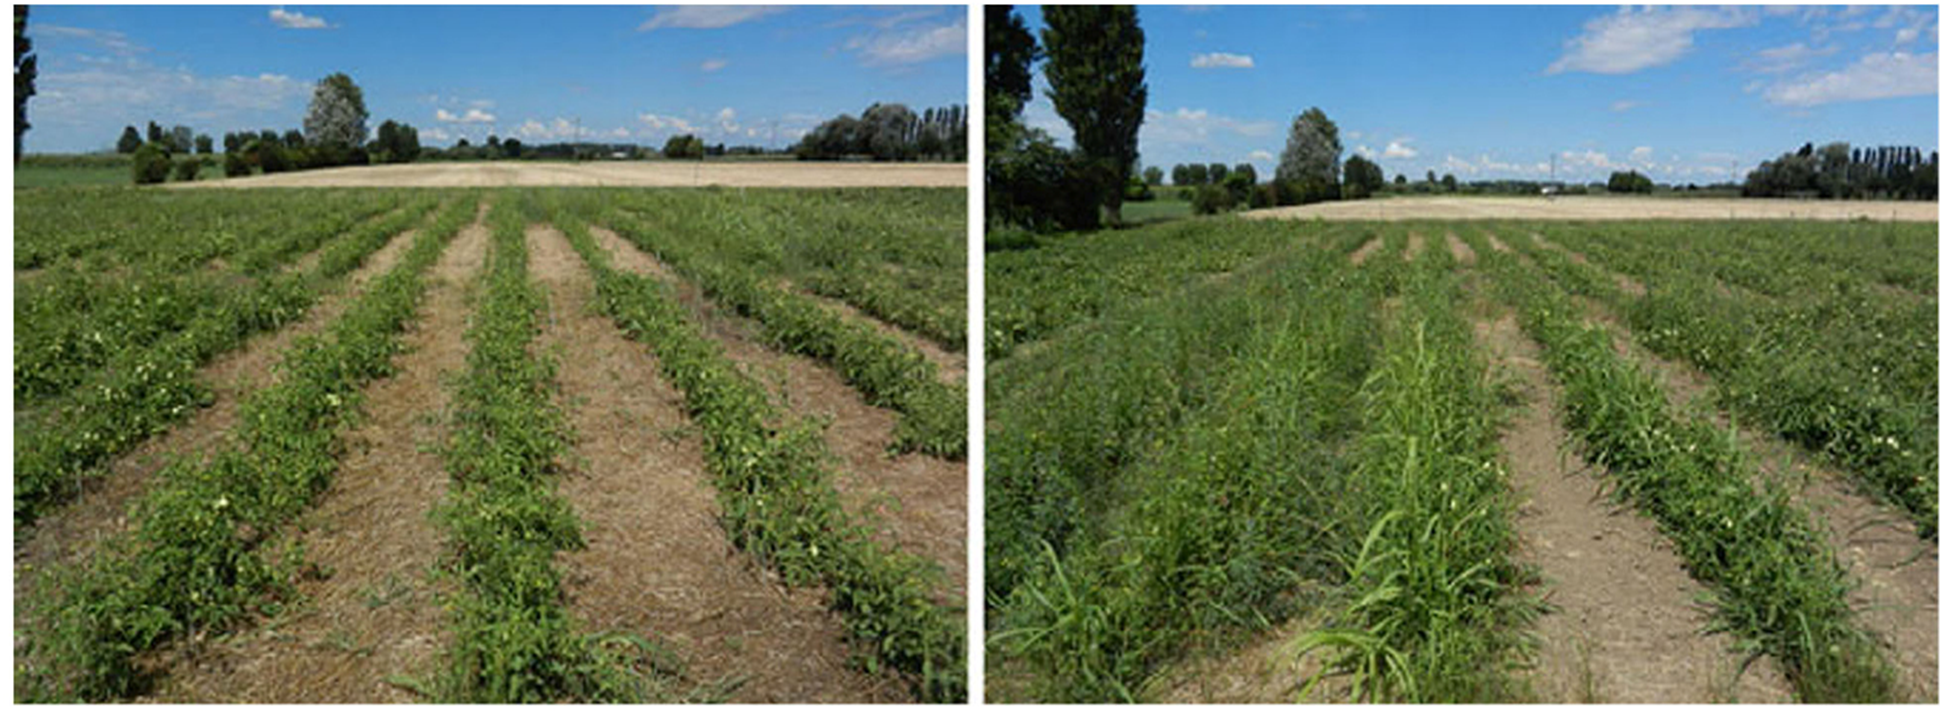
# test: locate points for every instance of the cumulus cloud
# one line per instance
(1623, 105)
(706, 17)
(436, 133)
(471, 116)
(905, 42)
(1261, 156)
(712, 65)
(1631, 40)
(657, 123)
(1399, 148)
(1222, 60)
(1882, 75)
(297, 20)
(1642, 154)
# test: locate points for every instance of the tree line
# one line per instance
(889, 132)
(1838, 171)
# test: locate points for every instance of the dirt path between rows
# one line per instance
(1367, 250)
(658, 563)
(68, 534)
(1624, 625)
(1625, 283)
(1415, 244)
(951, 367)
(1876, 543)
(921, 502)
(1463, 254)
(377, 612)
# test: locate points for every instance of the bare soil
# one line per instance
(1625, 283)
(662, 174)
(657, 563)
(1367, 250)
(377, 611)
(1496, 244)
(1262, 671)
(1624, 624)
(920, 502)
(1602, 208)
(1460, 250)
(67, 535)
(1415, 244)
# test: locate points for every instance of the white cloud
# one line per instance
(1631, 40)
(911, 44)
(1222, 60)
(435, 133)
(1266, 156)
(1907, 35)
(559, 129)
(297, 20)
(1364, 151)
(471, 116)
(110, 40)
(1623, 105)
(619, 132)
(706, 17)
(657, 123)
(712, 65)
(1875, 76)
(1775, 60)
(1642, 155)
(1399, 148)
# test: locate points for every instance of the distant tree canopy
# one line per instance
(396, 143)
(1310, 165)
(1097, 83)
(890, 132)
(684, 146)
(1154, 176)
(337, 114)
(1362, 178)
(204, 145)
(1031, 182)
(1837, 171)
(1629, 181)
(130, 141)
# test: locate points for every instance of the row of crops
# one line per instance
(1191, 455)
(212, 546)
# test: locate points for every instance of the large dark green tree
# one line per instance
(1031, 182)
(1011, 52)
(1361, 178)
(26, 68)
(131, 140)
(1310, 165)
(1096, 78)
(337, 115)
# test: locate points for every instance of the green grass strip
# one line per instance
(1431, 612)
(1777, 585)
(777, 496)
(196, 560)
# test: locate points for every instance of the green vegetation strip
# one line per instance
(1430, 608)
(1776, 583)
(1216, 520)
(142, 390)
(514, 640)
(890, 373)
(777, 496)
(196, 560)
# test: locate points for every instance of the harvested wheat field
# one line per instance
(1604, 208)
(643, 174)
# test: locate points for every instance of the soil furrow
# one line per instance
(1366, 250)
(375, 610)
(67, 534)
(1624, 625)
(1415, 243)
(1460, 250)
(658, 564)
(919, 503)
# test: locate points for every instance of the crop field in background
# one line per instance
(497, 445)
(1640, 461)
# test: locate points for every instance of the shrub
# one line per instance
(187, 168)
(1267, 195)
(151, 164)
(273, 159)
(1211, 200)
(235, 166)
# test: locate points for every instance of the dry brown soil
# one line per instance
(661, 174)
(658, 564)
(1415, 243)
(1460, 250)
(952, 367)
(1367, 250)
(1602, 208)
(376, 613)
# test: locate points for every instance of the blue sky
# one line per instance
(1681, 94)
(737, 74)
